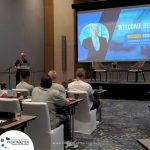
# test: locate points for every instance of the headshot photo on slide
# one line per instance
(94, 38)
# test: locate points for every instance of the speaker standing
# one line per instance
(21, 63)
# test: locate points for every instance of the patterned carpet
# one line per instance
(124, 121)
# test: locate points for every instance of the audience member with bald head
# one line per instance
(55, 85)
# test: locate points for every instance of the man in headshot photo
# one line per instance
(95, 44)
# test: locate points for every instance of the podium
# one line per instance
(19, 69)
(23, 67)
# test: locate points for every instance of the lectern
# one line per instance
(19, 69)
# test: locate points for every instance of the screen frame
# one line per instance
(94, 6)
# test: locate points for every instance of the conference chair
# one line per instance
(136, 68)
(84, 118)
(39, 130)
(98, 67)
(9, 107)
(24, 92)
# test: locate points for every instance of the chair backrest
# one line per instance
(83, 108)
(38, 129)
(39, 109)
(82, 94)
(138, 64)
(10, 105)
(24, 92)
(84, 119)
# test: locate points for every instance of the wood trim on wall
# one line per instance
(48, 35)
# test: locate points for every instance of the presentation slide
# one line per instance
(118, 34)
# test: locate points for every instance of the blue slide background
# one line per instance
(120, 47)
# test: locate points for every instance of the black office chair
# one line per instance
(98, 67)
(136, 68)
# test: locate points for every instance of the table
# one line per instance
(145, 143)
(71, 113)
(100, 92)
(72, 106)
(19, 124)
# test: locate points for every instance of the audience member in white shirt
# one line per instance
(82, 85)
(25, 75)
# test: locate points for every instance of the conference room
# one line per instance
(109, 40)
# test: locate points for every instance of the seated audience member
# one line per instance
(25, 75)
(82, 85)
(53, 98)
(55, 85)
